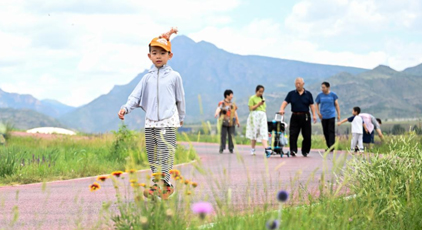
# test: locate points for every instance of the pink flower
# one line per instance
(202, 208)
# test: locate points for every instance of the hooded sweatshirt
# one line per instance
(159, 93)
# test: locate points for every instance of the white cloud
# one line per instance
(266, 38)
(74, 51)
(340, 17)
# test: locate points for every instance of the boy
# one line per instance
(161, 95)
(357, 130)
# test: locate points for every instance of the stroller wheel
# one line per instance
(281, 155)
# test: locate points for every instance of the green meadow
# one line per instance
(26, 160)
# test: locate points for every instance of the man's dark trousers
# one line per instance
(227, 130)
(300, 122)
(328, 127)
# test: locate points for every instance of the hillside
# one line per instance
(382, 91)
(206, 71)
(416, 70)
(24, 119)
(25, 101)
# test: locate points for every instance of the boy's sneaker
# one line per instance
(167, 192)
(153, 192)
(268, 153)
(253, 152)
(361, 151)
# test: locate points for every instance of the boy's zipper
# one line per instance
(158, 97)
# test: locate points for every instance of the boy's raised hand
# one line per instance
(121, 114)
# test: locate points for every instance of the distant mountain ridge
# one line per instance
(25, 119)
(416, 70)
(48, 107)
(383, 92)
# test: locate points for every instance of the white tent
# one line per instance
(50, 130)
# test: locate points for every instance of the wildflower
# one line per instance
(94, 186)
(134, 185)
(102, 178)
(186, 182)
(117, 173)
(188, 193)
(282, 196)
(143, 185)
(194, 184)
(202, 208)
(177, 178)
(174, 172)
(274, 224)
(131, 171)
(158, 176)
(133, 181)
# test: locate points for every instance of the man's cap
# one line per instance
(163, 41)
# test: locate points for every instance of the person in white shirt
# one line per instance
(357, 129)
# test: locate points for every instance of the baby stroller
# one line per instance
(276, 130)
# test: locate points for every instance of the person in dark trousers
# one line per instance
(326, 107)
(227, 112)
(301, 100)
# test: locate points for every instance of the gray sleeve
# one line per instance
(134, 98)
(375, 123)
(180, 98)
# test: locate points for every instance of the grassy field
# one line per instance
(30, 159)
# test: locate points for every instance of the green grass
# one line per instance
(28, 159)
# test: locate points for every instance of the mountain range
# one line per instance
(48, 107)
(207, 71)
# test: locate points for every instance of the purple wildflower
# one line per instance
(282, 196)
(273, 224)
(202, 208)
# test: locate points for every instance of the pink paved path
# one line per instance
(67, 204)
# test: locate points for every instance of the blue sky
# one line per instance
(74, 51)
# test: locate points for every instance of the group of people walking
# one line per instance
(304, 111)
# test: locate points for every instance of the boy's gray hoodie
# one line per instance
(159, 93)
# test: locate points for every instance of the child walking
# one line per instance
(357, 130)
(161, 95)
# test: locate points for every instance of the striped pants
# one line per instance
(161, 147)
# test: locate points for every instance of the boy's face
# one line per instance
(159, 56)
(354, 112)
